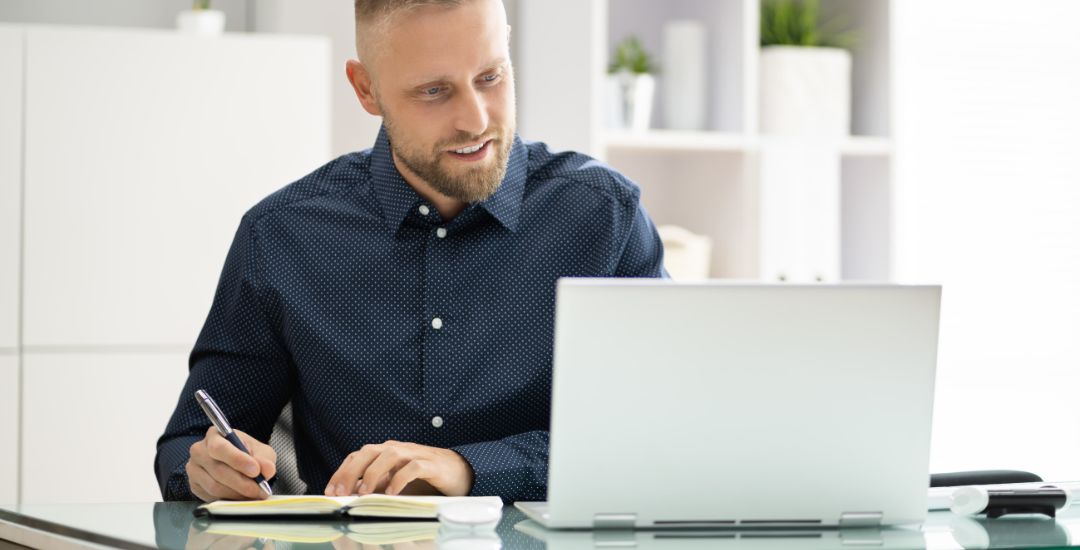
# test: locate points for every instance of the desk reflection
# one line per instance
(176, 528)
(1021, 531)
(700, 539)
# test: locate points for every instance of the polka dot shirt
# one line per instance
(347, 294)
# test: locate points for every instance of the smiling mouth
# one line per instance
(470, 150)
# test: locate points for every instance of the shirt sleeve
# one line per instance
(513, 468)
(238, 359)
(642, 252)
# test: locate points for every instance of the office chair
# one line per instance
(287, 480)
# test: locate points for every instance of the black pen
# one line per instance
(213, 412)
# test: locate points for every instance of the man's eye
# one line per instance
(434, 91)
(491, 78)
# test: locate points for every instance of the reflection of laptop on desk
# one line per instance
(739, 405)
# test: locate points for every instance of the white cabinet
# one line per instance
(90, 422)
(774, 210)
(11, 66)
(137, 177)
(140, 153)
(9, 427)
(11, 89)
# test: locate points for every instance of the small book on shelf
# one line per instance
(374, 505)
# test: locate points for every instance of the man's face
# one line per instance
(444, 84)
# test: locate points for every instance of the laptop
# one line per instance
(691, 405)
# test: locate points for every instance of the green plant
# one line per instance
(630, 56)
(797, 23)
(201, 5)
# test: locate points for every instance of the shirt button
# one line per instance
(441, 232)
(437, 421)
(424, 209)
(436, 323)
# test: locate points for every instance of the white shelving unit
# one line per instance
(730, 182)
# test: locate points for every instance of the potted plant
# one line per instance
(632, 85)
(805, 70)
(200, 19)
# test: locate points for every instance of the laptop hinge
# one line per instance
(861, 520)
(614, 521)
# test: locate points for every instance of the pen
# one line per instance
(213, 412)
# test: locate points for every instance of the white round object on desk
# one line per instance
(469, 514)
(969, 501)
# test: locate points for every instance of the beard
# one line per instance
(467, 183)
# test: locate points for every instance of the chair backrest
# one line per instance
(287, 480)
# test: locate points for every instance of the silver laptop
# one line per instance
(739, 405)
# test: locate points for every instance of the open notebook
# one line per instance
(373, 505)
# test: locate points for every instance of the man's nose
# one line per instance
(472, 116)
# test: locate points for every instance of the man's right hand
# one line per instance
(218, 470)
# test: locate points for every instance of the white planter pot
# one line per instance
(630, 100)
(683, 79)
(805, 91)
(207, 22)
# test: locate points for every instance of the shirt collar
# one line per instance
(396, 196)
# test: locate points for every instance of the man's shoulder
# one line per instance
(335, 178)
(574, 168)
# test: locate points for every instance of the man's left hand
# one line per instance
(390, 467)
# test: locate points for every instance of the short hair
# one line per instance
(373, 14)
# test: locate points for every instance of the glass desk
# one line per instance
(172, 525)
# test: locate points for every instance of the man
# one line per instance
(402, 298)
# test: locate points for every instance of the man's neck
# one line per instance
(448, 207)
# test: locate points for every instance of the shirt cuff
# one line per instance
(498, 470)
(177, 486)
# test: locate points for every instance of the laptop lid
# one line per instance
(720, 404)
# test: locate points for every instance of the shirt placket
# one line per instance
(438, 319)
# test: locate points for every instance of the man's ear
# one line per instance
(360, 80)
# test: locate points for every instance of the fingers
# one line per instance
(204, 486)
(212, 478)
(264, 454)
(416, 469)
(387, 464)
(221, 450)
(234, 480)
(397, 468)
(344, 479)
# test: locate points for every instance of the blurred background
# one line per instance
(914, 142)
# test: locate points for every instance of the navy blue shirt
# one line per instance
(347, 294)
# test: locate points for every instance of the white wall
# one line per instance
(988, 192)
(353, 129)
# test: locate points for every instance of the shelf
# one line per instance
(679, 140)
(866, 146)
(729, 142)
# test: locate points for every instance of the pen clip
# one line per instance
(211, 409)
